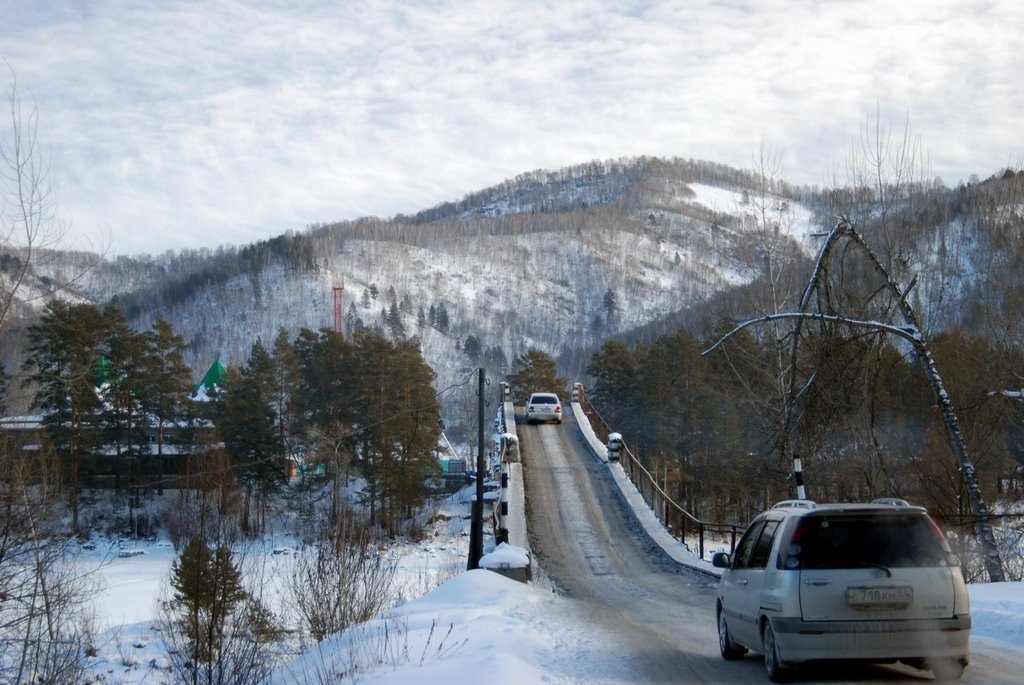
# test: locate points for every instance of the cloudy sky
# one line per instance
(187, 124)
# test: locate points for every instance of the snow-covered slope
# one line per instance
(557, 262)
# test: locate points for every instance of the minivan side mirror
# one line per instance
(721, 560)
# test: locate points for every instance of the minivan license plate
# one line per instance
(889, 597)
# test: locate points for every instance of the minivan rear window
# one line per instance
(861, 540)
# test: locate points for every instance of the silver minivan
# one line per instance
(876, 582)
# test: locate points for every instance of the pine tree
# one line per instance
(416, 432)
(611, 306)
(167, 381)
(442, 318)
(284, 389)
(327, 405)
(535, 371)
(208, 590)
(193, 593)
(166, 384)
(615, 391)
(351, 316)
(247, 423)
(123, 383)
(397, 420)
(63, 356)
(471, 348)
(395, 324)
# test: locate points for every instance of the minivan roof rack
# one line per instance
(795, 504)
(892, 502)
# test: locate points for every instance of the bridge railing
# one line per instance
(678, 521)
(509, 514)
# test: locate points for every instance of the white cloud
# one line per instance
(182, 124)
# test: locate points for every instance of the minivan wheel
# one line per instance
(773, 666)
(947, 669)
(730, 649)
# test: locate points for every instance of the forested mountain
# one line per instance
(555, 260)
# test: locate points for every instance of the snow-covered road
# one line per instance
(656, 615)
(608, 606)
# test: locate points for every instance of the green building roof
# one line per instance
(213, 376)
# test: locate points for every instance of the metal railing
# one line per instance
(677, 520)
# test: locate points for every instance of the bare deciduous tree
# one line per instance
(27, 212)
(43, 595)
(908, 329)
(347, 578)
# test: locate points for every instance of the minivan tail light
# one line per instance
(935, 529)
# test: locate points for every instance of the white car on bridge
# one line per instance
(543, 406)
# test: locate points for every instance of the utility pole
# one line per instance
(476, 530)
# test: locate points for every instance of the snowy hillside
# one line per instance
(506, 269)
(559, 260)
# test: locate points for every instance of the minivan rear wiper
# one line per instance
(868, 564)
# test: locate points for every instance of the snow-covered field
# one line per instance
(132, 577)
(449, 626)
(521, 635)
(475, 622)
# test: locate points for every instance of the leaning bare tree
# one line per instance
(817, 296)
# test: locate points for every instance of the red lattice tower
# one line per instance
(339, 314)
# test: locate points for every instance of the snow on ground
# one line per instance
(720, 200)
(475, 623)
(132, 576)
(477, 626)
(997, 613)
(795, 219)
(481, 623)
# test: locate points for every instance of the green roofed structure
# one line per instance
(212, 378)
(101, 371)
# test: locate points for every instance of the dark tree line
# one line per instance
(112, 397)
(870, 427)
(104, 389)
(367, 404)
(184, 274)
(337, 407)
